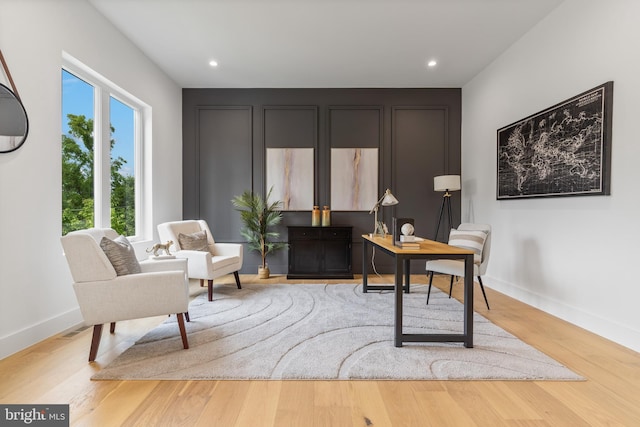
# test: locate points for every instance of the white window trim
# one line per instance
(104, 89)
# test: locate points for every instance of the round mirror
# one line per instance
(14, 124)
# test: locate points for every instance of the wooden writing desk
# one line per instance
(428, 250)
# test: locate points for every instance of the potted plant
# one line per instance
(259, 217)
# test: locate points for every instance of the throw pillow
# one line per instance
(194, 242)
(121, 255)
(469, 239)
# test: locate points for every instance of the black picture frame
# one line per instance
(564, 150)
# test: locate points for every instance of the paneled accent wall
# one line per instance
(419, 147)
(358, 127)
(223, 165)
(355, 126)
(291, 127)
(226, 134)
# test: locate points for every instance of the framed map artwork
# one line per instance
(564, 150)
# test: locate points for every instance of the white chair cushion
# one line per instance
(220, 262)
(469, 239)
(133, 296)
(450, 266)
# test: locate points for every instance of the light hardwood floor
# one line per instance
(56, 371)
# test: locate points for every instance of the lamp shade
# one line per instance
(388, 199)
(446, 182)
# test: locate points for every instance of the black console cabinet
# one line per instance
(320, 252)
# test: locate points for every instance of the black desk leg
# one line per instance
(407, 274)
(398, 308)
(365, 267)
(468, 301)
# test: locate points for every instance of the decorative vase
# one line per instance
(326, 216)
(263, 273)
(315, 216)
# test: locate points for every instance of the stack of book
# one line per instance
(408, 245)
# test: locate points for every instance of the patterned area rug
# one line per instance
(316, 331)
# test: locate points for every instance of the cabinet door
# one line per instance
(305, 250)
(337, 250)
(305, 256)
(337, 256)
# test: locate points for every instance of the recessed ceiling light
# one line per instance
(213, 63)
(432, 63)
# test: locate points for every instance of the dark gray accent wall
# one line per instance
(419, 147)
(291, 127)
(224, 138)
(226, 133)
(355, 126)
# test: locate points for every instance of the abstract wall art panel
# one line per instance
(354, 179)
(290, 173)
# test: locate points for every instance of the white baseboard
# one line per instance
(14, 342)
(606, 328)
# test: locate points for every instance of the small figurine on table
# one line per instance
(161, 247)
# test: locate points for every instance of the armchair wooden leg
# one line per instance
(186, 316)
(210, 290)
(112, 328)
(235, 274)
(95, 342)
(202, 283)
(430, 281)
(483, 293)
(183, 331)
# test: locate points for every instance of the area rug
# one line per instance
(329, 332)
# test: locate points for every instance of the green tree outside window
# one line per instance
(78, 178)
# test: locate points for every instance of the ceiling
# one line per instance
(323, 43)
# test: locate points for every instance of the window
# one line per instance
(101, 153)
(122, 176)
(77, 153)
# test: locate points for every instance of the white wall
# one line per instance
(36, 297)
(574, 257)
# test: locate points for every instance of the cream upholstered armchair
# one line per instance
(208, 260)
(110, 285)
(476, 237)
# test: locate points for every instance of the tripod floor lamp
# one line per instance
(445, 183)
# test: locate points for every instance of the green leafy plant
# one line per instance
(259, 217)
